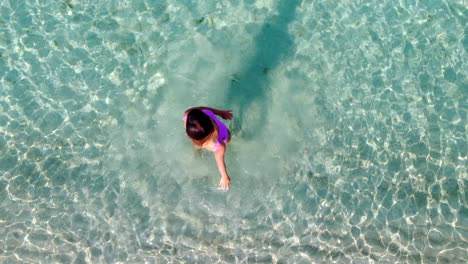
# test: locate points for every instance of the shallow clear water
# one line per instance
(350, 137)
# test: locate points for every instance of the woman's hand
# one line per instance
(224, 183)
(225, 114)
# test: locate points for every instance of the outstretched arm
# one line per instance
(225, 114)
(219, 156)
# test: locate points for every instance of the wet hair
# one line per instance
(198, 125)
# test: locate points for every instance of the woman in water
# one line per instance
(206, 131)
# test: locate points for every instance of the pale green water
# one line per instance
(350, 143)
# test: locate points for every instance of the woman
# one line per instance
(206, 131)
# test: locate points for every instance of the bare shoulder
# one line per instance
(221, 149)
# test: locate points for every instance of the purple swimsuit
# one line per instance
(223, 132)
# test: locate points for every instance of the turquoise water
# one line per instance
(349, 143)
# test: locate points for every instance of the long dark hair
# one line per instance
(198, 125)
